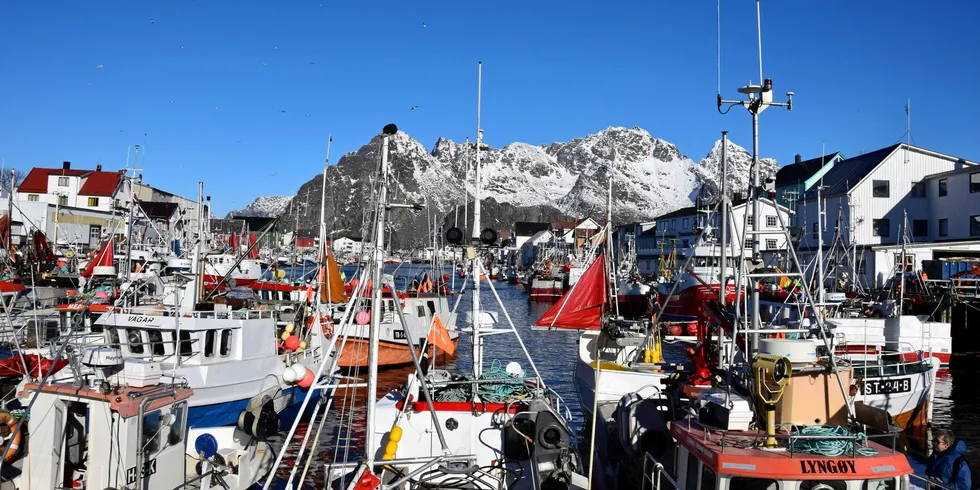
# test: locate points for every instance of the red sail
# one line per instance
(233, 243)
(103, 258)
(581, 307)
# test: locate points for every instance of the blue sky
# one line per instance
(202, 87)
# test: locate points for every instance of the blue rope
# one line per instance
(831, 445)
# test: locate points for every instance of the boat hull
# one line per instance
(390, 354)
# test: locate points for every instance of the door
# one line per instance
(94, 235)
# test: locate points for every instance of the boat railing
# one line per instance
(653, 470)
(888, 440)
(928, 482)
(219, 315)
(560, 404)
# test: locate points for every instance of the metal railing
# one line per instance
(653, 470)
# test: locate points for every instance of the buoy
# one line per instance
(290, 327)
(288, 375)
(11, 421)
(307, 380)
(362, 317)
(302, 345)
(394, 437)
(299, 371)
(292, 343)
(284, 336)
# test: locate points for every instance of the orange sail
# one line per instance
(332, 286)
(581, 307)
(104, 258)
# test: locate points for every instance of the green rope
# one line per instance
(831, 445)
(495, 385)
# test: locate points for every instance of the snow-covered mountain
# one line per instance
(264, 206)
(708, 171)
(650, 177)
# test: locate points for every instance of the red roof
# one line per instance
(37, 180)
(96, 183)
(100, 184)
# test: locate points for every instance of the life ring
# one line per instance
(326, 324)
(11, 421)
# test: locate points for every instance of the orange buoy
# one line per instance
(11, 421)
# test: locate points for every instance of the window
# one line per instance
(742, 483)
(225, 347)
(432, 307)
(185, 344)
(821, 484)
(749, 243)
(209, 343)
(135, 341)
(685, 224)
(156, 342)
(883, 484)
(32, 197)
(673, 224)
(879, 188)
(93, 202)
(751, 220)
(177, 427)
(62, 181)
(770, 244)
(420, 310)
(62, 200)
(975, 225)
(918, 189)
(707, 478)
(882, 227)
(691, 482)
(815, 231)
(771, 222)
(942, 187)
(920, 227)
(943, 227)
(151, 428)
(975, 182)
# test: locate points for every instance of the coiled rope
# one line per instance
(831, 444)
(495, 385)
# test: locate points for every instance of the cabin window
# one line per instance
(707, 478)
(812, 484)
(942, 187)
(225, 342)
(186, 349)
(112, 338)
(742, 483)
(691, 483)
(420, 309)
(176, 435)
(432, 307)
(880, 188)
(209, 343)
(882, 484)
(135, 341)
(156, 342)
(151, 428)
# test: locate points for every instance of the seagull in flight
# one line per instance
(151, 20)
(283, 111)
(307, 115)
(121, 131)
(413, 108)
(99, 67)
(423, 25)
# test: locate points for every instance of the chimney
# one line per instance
(799, 158)
(98, 167)
(66, 165)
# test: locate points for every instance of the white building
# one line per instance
(867, 199)
(347, 246)
(680, 228)
(65, 186)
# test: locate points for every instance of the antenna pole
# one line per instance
(758, 19)
(477, 259)
(821, 220)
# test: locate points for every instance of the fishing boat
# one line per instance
(123, 427)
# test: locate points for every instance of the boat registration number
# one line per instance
(398, 334)
(887, 386)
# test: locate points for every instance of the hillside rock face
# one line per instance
(520, 182)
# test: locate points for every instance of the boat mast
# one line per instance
(129, 226)
(322, 259)
(477, 260)
(723, 276)
(376, 277)
(821, 222)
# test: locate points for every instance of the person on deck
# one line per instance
(946, 456)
